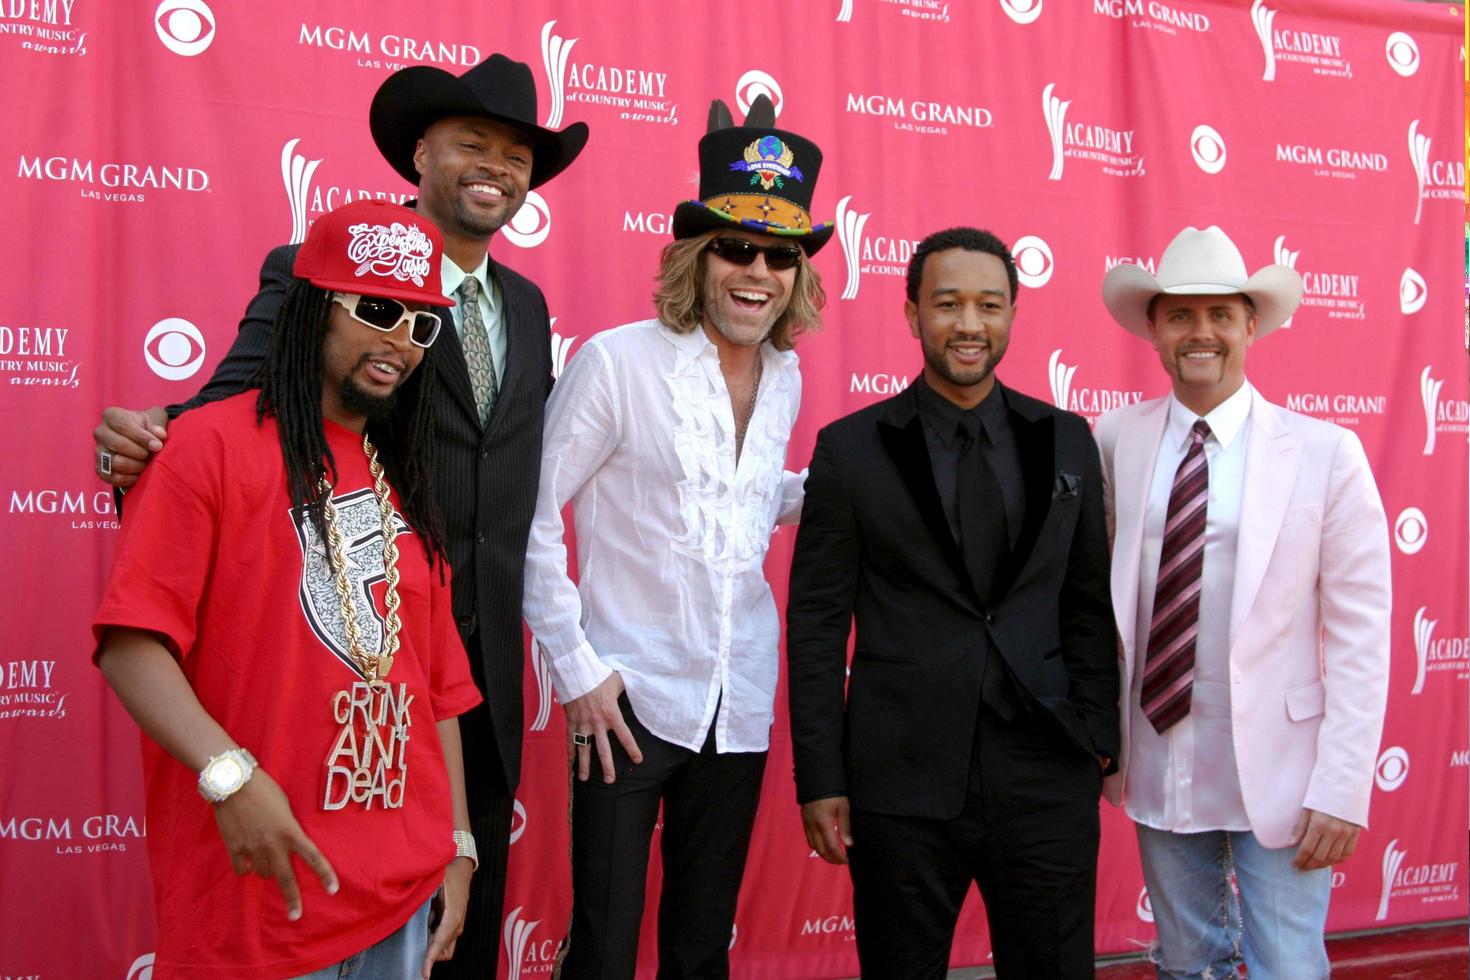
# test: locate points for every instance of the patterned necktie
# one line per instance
(1168, 674)
(476, 343)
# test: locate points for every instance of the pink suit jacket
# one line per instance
(1309, 617)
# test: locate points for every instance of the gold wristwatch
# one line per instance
(223, 775)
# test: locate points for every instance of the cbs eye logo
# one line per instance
(1033, 260)
(1021, 11)
(1208, 149)
(174, 349)
(531, 224)
(1413, 291)
(1402, 53)
(186, 27)
(1411, 530)
(754, 83)
(1393, 768)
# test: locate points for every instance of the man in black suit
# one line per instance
(472, 146)
(960, 524)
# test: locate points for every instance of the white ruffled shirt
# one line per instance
(671, 534)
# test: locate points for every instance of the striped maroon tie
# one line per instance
(1168, 673)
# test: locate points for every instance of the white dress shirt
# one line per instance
(492, 310)
(671, 533)
(1186, 779)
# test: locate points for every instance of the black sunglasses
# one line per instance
(738, 251)
(385, 314)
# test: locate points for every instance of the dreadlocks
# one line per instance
(290, 383)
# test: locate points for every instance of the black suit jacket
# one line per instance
(874, 546)
(485, 480)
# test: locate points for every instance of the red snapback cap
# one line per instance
(377, 249)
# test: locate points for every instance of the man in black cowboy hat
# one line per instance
(668, 436)
(472, 146)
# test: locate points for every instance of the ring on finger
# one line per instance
(104, 463)
(581, 738)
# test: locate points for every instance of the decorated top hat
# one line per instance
(413, 99)
(755, 177)
(374, 248)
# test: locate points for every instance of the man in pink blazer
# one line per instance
(1250, 582)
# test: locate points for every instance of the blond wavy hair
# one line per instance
(679, 297)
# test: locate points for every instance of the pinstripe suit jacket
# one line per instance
(485, 479)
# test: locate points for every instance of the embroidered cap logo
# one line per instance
(395, 251)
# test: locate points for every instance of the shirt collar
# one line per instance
(1225, 420)
(943, 415)
(451, 276)
(694, 343)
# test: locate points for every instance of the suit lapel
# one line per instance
(902, 433)
(448, 358)
(1036, 446)
(511, 316)
(1272, 456)
(1134, 457)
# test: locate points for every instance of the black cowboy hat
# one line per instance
(755, 177)
(497, 88)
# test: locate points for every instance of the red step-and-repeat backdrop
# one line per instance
(152, 155)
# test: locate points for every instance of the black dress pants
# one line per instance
(491, 804)
(1028, 836)
(709, 801)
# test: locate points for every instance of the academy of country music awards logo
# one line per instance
(882, 255)
(1090, 403)
(526, 955)
(112, 181)
(30, 689)
(1153, 15)
(1111, 148)
(638, 94)
(388, 52)
(1335, 292)
(1437, 180)
(1436, 655)
(36, 357)
(934, 11)
(1430, 883)
(309, 200)
(916, 115)
(1286, 45)
(142, 968)
(1451, 415)
(44, 26)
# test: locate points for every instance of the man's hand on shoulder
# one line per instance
(131, 438)
(590, 719)
(1323, 840)
(828, 826)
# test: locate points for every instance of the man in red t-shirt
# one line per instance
(278, 620)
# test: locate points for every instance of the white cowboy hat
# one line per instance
(1201, 263)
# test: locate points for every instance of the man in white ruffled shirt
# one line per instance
(669, 438)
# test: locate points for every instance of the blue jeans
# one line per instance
(1274, 922)
(397, 957)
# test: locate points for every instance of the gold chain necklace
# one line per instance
(374, 667)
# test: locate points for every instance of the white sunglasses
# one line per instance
(385, 314)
